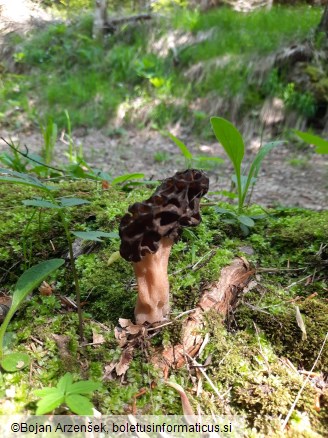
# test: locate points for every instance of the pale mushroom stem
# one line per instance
(153, 284)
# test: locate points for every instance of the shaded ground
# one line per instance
(289, 176)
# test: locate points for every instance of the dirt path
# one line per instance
(288, 177)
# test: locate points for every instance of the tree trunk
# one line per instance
(100, 19)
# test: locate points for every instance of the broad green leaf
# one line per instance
(14, 361)
(39, 203)
(83, 387)
(126, 177)
(94, 235)
(320, 144)
(49, 402)
(231, 140)
(71, 202)
(22, 181)
(244, 229)
(183, 148)
(28, 281)
(31, 278)
(229, 221)
(246, 220)
(79, 404)
(224, 211)
(21, 175)
(65, 382)
(99, 174)
(46, 391)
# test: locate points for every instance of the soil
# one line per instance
(289, 177)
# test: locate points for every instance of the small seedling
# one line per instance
(28, 281)
(232, 142)
(76, 396)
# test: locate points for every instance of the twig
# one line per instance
(200, 367)
(278, 269)
(171, 322)
(304, 384)
(299, 281)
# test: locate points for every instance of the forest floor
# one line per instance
(289, 176)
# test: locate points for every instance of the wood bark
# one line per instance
(100, 20)
(222, 297)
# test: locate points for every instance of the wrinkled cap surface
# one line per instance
(175, 204)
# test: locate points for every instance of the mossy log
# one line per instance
(221, 297)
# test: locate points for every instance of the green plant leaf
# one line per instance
(94, 235)
(127, 177)
(31, 278)
(71, 202)
(39, 203)
(231, 140)
(25, 284)
(49, 402)
(22, 181)
(320, 144)
(183, 148)
(246, 220)
(224, 211)
(15, 361)
(255, 166)
(83, 387)
(65, 382)
(79, 404)
(46, 391)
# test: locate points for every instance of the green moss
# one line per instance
(244, 363)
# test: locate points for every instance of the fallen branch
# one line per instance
(222, 297)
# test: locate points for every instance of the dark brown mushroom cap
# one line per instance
(175, 204)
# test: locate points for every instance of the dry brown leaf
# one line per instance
(108, 372)
(134, 329)
(97, 338)
(124, 362)
(125, 322)
(120, 336)
(45, 289)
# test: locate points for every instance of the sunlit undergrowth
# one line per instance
(137, 76)
(287, 249)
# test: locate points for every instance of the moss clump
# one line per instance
(280, 327)
(259, 385)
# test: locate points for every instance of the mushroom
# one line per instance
(149, 230)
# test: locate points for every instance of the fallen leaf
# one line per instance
(97, 338)
(104, 184)
(120, 336)
(124, 362)
(45, 289)
(134, 329)
(125, 322)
